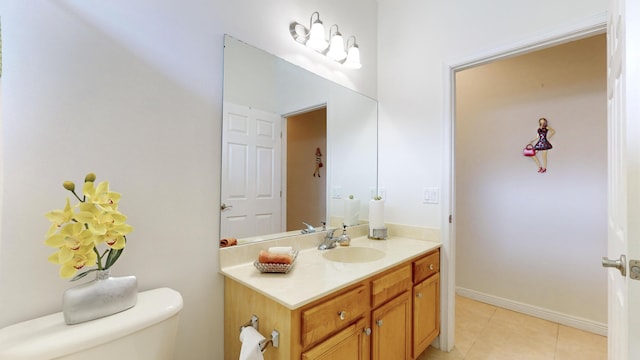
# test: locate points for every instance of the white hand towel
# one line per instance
(250, 339)
(281, 249)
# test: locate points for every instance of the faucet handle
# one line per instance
(324, 225)
(330, 233)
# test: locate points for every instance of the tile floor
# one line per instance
(487, 332)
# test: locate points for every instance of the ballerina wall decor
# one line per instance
(319, 163)
(542, 145)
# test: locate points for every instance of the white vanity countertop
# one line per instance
(313, 276)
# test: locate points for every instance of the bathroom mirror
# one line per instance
(294, 146)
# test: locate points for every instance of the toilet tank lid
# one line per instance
(49, 337)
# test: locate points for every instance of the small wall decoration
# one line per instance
(545, 132)
(319, 163)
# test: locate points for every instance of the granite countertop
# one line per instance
(313, 276)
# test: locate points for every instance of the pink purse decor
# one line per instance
(529, 150)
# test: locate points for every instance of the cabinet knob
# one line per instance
(367, 331)
(419, 295)
(379, 323)
(342, 315)
(430, 266)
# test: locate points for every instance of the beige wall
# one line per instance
(306, 194)
(523, 236)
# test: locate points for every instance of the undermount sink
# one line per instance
(353, 254)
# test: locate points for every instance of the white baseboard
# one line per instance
(564, 319)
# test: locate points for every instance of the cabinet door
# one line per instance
(426, 313)
(391, 324)
(351, 343)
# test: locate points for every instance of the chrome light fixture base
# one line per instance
(313, 37)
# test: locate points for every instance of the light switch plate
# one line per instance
(336, 192)
(431, 195)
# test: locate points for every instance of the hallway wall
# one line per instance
(522, 236)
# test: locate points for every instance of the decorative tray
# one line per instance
(276, 267)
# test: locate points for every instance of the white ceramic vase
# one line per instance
(103, 296)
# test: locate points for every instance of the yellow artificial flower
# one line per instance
(78, 232)
(114, 237)
(59, 217)
(99, 219)
(100, 195)
(71, 236)
(72, 261)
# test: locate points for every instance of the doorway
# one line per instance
(306, 175)
(588, 28)
(530, 217)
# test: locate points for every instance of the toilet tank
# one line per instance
(146, 331)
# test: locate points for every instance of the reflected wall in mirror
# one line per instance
(294, 147)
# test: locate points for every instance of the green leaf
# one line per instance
(82, 274)
(113, 257)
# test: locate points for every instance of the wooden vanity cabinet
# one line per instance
(392, 315)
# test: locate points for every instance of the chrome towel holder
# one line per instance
(274, 340)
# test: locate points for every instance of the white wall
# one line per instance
(523, 236)
(132, 90)
(416, 39)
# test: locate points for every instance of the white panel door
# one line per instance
(624, 176)
(251, 172)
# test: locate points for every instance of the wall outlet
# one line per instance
(336, 192)
(431, 196)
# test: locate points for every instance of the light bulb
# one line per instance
(353, 58)
(336, 50)
(316, 37)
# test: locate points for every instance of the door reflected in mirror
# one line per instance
(294, 146)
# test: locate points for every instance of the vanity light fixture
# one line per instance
(314, 38)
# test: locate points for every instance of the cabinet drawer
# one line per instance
(426, 266)
(332, 315)
(390, 285)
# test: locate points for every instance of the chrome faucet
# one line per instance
(329, 241)
(310, 229)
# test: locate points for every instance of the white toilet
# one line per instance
(147, 331)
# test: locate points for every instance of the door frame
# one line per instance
(588, 27)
